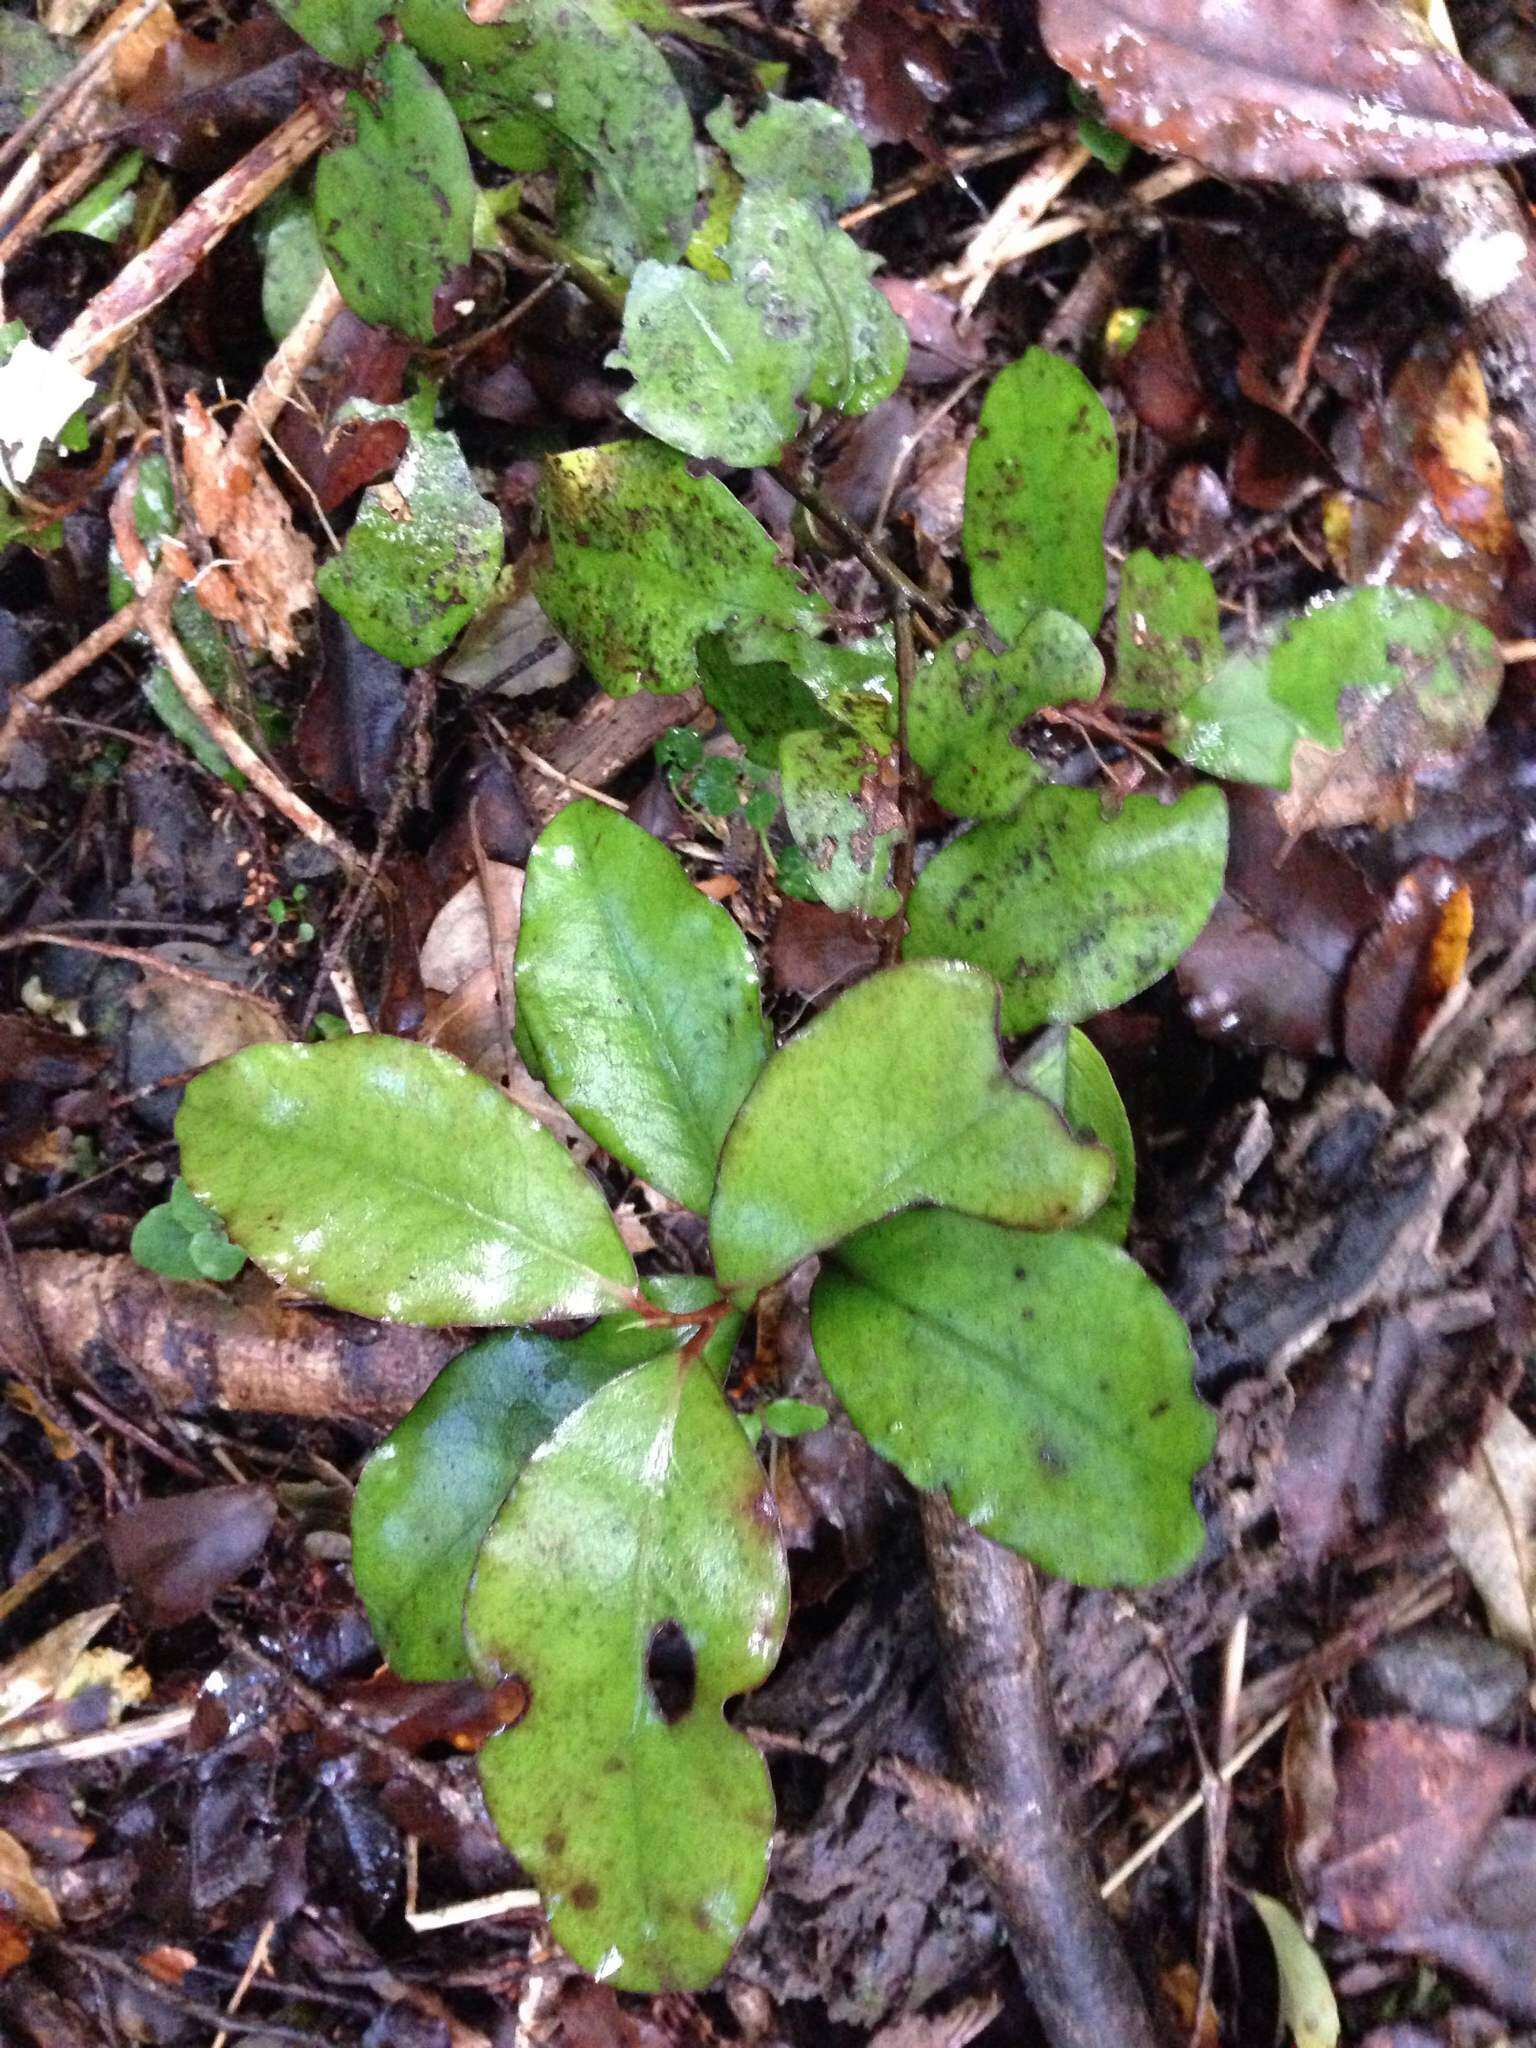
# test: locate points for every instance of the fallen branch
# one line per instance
(206, 1347)
(1018, 1824)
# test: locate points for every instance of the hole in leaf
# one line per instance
(671, 1671)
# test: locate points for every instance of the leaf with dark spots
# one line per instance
(1037, 487)
(394, 204)
(175, 1554)
(842, 801)
(1050, 1394)
(635, 1580)
(1318, 89)
(432, 1488)
(1073, 911)
(349, 731)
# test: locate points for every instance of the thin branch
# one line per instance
(149, 280)
(1026, 1844)
(27, 699)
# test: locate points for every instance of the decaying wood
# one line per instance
(101, 1318)
(600, 742)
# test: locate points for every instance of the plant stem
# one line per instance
(906, 852)
(610, 298)
(1021, 1834)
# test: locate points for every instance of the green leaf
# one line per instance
(968, 704)
(647, 558)
(1043, 1382)
(641, 998)
(31, 61)
(214, 1256)
(1067, 1068)
(573, 86)
(395, 205)
(1037, 486)
(803, 148)
(843, 807)
(189, 1212)
(104, 211)
(388, 1179)
(762, 702)
(1387, 672)
(431, 1490)
(420, 559)
(162, 1243)
(1309, 2012)
(1232, 727)
(1168, 636)
(345, 32)
(709, 376)
(1073, 911)
(635, 1581)
(896, 1094)
(791, 1418)
(810, 284)
(719, 365)
(292, 261)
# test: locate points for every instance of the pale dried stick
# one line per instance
(278, 381)
(48, 205)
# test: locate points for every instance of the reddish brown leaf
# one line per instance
(1413, 1809)
(350, 728)
(895, 72)
(1404, 970)
(815, 951)
(197, 104)
(177, 1553)
(1269, 967)
(1315, 89)
(1160, 379)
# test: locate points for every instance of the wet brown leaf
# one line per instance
(195, 104)
(349, 731)
(1316, 89)
(175, 1554)
(895, 74)
(1404, 970)
(815, 951)
(1161, 382)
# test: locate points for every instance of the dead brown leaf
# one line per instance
(1316, 89)
(1490, 1528)
(21, 1889)
(265, 575)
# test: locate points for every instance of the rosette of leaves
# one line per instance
(722, 362)
(585, 1515)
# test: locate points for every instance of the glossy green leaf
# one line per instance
(431, 1490)
(841, 800)
(762, 702)
(1231, 725)
(1067, 1068)
(185, 1240)
(788, 1418)
(968, 705)
(388, 1179)
(635, 1581)
(1168, 636)
(395, 204)
(1037, 486)
(1043, 1382)
(641, 998)
(647, 558)
(1309, 2012)
(346, 32)
(803, 148)
(895, 1094)
(573, 86)
(422, 555)
(1388, 672)
(1073, 911)
(214, 1256)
